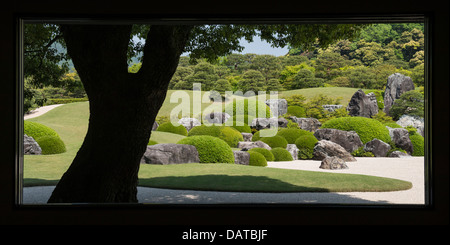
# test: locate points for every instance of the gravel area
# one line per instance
(409, 169)
(40, 111)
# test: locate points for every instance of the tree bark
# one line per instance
(123, 107)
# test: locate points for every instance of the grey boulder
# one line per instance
(241, 157)
(30, 146)
(348, 139)
(377, 147)
(170, 154)
(326, 148)
(333, 163)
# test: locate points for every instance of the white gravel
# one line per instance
(40, 111)
(409, 169)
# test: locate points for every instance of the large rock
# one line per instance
(264, 123)
(155, 126)
(362, 105)
(348, 139)
(396, 85)
(377, 147)
(189, 123)
(414, 121)
(331, 108)
(30, 146)
(326, 148)
(292, 148)
(400, 137)
(309, 124)
(245, 146)
(278, 107)
(170, 154)
(241, 157)
(247, 136)
(399, 154)
(333, 163)
(217, 117)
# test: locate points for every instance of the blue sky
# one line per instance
(261, 47)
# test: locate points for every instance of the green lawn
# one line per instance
(70, 122)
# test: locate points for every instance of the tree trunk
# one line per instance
(123, 107)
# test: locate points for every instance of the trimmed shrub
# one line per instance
(296, 111)
(257, 159)
(51, 145)
(170, 128)
(418, 143)
(275, 141)
(47, 138)
(266, 153)
(392, 125)
(305, 145)
(251, 110)
(246, 119)
(291, 134)
(367, 129)
(228, 134)
(281, 154)
(243, 129)
(152, 142)
(256, 136)
(210, 149)
(360, 152)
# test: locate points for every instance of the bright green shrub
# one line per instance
(367, 129)
(243, 129)
(257, 159)
(47, 138)
(210, 149)
(170, 128)
(51, 144)
(360, 152)
(256, 136)
(392, 125)
(410, 103)
(305, 145)
(275, 141)
(281, 154)
(296, 111)
(418, 143)
(152, 142)
(239, 119)
(266, 153)
(228, 134)
(251, 110)
(291, 134)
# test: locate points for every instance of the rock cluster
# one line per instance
(170, 154)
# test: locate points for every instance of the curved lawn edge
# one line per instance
(237, 178)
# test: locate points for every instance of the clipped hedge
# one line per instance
(275, 141)
(256, 136)
(228, 134)
(281, 154)
(243, 129)
(210, 149)
(266, 153)
(305, 145)
(252, 110)
(291, 134)
(170, 128)
(152, 142)
(257, 159)
(47, 138)
(296, 111)
(367, 129)
(418, 143)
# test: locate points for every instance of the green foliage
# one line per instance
(228, 134)
(210, 149)
(266, 153)
(382, 117)
(360, 152)
(152, 142)
(47, 138)
(257, 159)
(291, 134)
(392, 125)
(418, 143)
(66, 101)
(296, 111)
(367, 129)
(281, 154)
(252, 108)
(256, 136)
(275, 141)
(305, 145)
(170, 128)
(410, 103)
(252, 80)
(243, 129)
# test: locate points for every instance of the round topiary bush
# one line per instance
(392, 125)
(266, 153)
(246, 108)
(367, 129)
(51, 145)
(257, 159)
(228, 134)
(257, 136)
(210, 149)
(47, 138)
(243, 129)
(305, 145)
(418, 143)
(281, 154)
(296, 111)
(291, 134)
(170, 128)
(275, 141)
